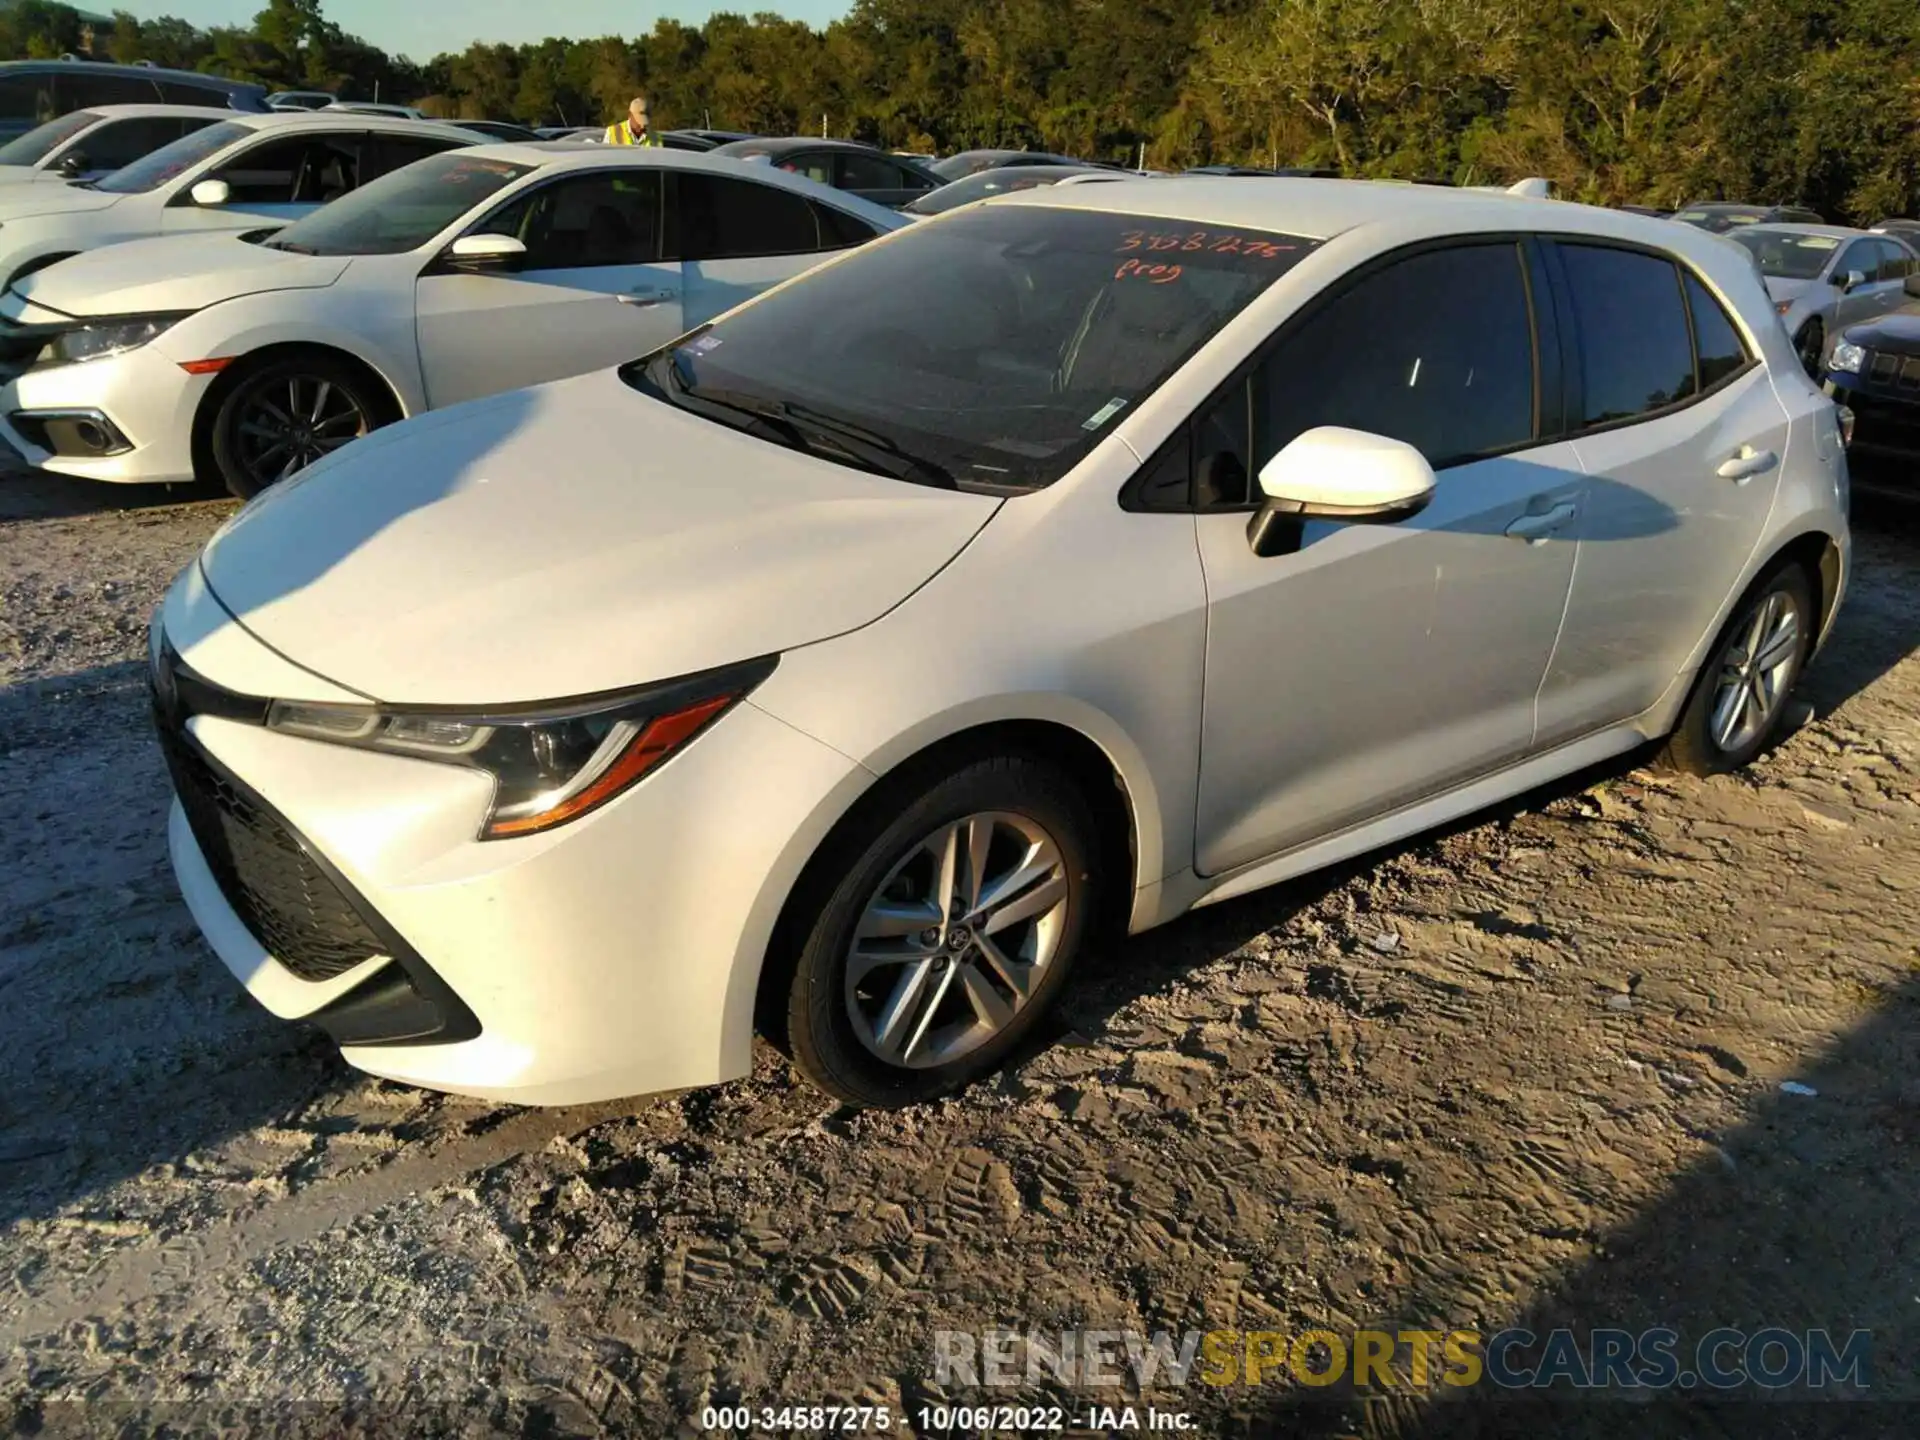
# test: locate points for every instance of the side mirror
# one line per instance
(211, 193)
(1332, 473)
(1853, 281)
(74, 164)
(487, 252)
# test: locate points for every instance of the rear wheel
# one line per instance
(1740, 702)
(948, 930)
(281, 416)
(1811, 346)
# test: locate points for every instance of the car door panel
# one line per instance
(568, 310)
(1379, 664)
(1677, 501)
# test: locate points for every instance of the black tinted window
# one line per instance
(308, 170)
(718, 219)
(82, 90)
(1717, 343)
(1893, 261)
(27, 97)
(185, 92)
(122, 142)
(839, 230)
(387, 153)
(868, 172)
(599, 218)
(1436, 350)
(1635, 352)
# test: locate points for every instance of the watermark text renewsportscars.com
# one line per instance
(1661, 1358)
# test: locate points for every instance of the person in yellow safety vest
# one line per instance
(634, 129)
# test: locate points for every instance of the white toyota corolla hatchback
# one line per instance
(866, 662)
(248, 357)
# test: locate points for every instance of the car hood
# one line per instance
(174, 272)
(571, 539)
(1895, 334)
(24, 174)
(24, 202)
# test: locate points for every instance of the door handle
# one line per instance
(1748, 463)
(1534, 529)
(644, 297)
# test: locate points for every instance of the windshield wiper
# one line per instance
(800, 428)
(290, 246)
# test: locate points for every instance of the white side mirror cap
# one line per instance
(1338, 474)
(484, 248)
(211, 193)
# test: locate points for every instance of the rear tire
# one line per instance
(898, 998)
(1741, 700)
(280, 415)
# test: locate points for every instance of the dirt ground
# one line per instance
(1527, 1071)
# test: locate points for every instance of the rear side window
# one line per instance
(1436, 349)
(84, 91)
(27, 97)
(185, 92)
(1636, 354)
(124, 141)
(719, 218)
(1715, 340)
(839, 230)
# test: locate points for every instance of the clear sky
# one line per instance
(424, 28)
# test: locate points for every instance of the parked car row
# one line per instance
(545, 748)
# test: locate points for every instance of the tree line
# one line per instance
(1649, 101)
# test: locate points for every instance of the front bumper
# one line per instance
(1886, 418)
(614, 956)
(145, 401)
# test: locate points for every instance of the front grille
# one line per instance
(274, 885)
(1899, 374)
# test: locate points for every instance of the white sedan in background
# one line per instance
(92, 144)
(245, 173)
(249, 357)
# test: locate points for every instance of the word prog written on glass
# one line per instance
(1155, 256)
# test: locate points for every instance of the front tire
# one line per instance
(1740, 703)
(947, 930)
(280, 416)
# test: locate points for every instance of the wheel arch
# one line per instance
(1124, 831)
(243, 365)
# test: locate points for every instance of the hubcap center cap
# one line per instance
(959, 938)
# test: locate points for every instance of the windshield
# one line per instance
(34, 146)
(989, 182)
(1786, 256)
(401, 211)
(171, 161)
(1025, 332)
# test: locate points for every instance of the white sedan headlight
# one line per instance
(1847, 358)
(110, 337)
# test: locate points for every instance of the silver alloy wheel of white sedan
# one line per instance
(953, 943)
(1757, 673)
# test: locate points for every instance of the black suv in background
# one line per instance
(1874, 370)
(33, 92)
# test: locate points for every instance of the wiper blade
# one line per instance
(290, 246)
(901, 464)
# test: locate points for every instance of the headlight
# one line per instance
(548, 768)
(112, 337)
(1847, 357)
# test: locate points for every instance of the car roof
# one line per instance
(149, 111)
(350, 121)
(147, 72)
(558, 155)
(787, 144)
(1794, 227)
(1322, 209)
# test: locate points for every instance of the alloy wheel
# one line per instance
(955, 941)
(289, 422)
(1756, 672)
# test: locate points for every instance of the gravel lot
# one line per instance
(1526, 1070)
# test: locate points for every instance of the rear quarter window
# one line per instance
(1636, 350)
